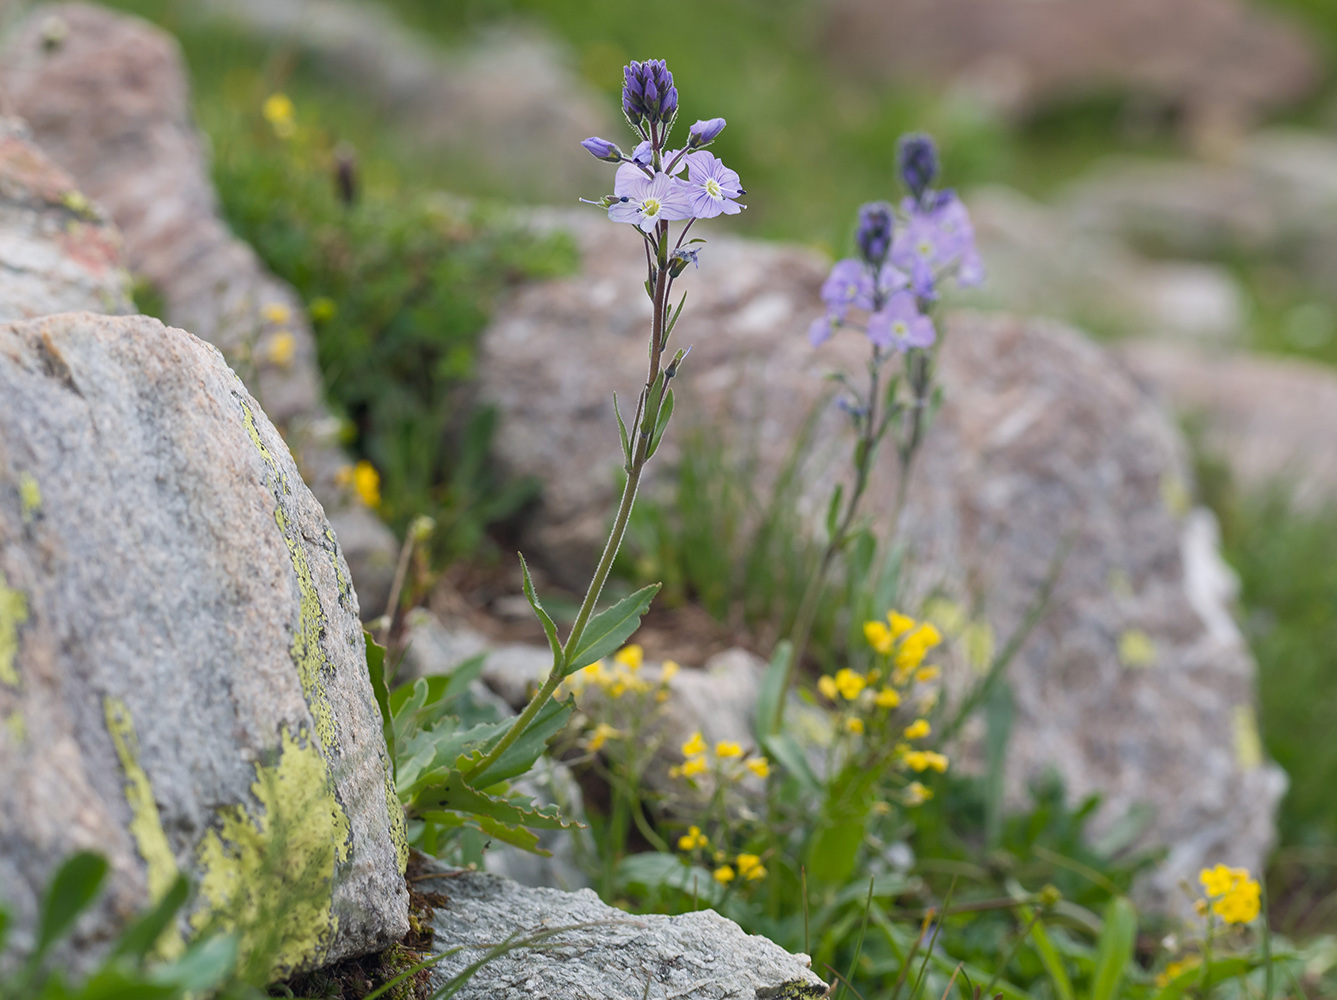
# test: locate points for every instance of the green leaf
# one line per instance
(1114, 948)
(651, 871)
(376, 671)
(833, 510)
(521, 755)
(511, 820)
(654, 399)
(661, 424)
(204, 966)
(72, 891)
(1049, 956)
(609, 629)
(549, 626)
(834, 850)
(674, 320)
(786, 750)
(139, 938)
(772, 690)
(622, 432)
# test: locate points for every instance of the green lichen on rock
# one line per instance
(13, 613)
(398, 828)
(30, 496)
(145, 821)
(345, 585)
(306, 653)
(269, 876)
(17, 728)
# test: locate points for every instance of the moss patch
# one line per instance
(145, 821)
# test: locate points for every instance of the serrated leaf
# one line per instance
(609, 629)
(549, 626)
(661, 425)
(521, 755)
(622, 432)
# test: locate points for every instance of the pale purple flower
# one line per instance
(645, 201)
(934, 239)
(900, 325)
(705, 132)
(821, 330)
(603, 149)
(648, 93)
(848, 284)
(712, 186)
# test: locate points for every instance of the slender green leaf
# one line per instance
(772, 690)
(653, 400)
(661, 425)
(139, 938)
(545, 619)
(622, 432)
(72, 890)
(1049, 956)
(376, 671)
(786, 750)
(673, 321)
(610, 629)
(833, 510)
(1114, 948)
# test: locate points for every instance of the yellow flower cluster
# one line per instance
(279, 112)
(1234, 896)
(749, 868)
(1176, 969)
(698, 760)
(364, 479)
(615, 681)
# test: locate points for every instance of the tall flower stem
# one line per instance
(640, 455)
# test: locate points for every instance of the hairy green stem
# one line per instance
(640, 456)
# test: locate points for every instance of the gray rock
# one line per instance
(1042, 437)
(110, 104)
(597, 951)
(182, 674)
(1270, 419)
(58, 251)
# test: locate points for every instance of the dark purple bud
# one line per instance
(917, 162)
(874, 236)
(648, 93)
(603, 149)
(704, 132)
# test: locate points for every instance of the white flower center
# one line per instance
(925, 249)
(713, 189)
(650, 207)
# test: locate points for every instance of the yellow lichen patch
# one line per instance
(345, 587)
(398, 831)
(306, 652)
(145, 821)
(30, 496)
(272, 873)
(1136, 649)
(1248, 744)
(13, 613)
(17, 728)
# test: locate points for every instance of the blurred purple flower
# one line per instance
(705, 132)
(649, 200)
(935, 238)
(648, 93)
(876, 224)
(917, 162)
(900, 325)
(712, 186)
(848, 284)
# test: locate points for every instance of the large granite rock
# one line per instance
(1136, 683)
(1216, 63)
(580, 947)
(58, 251)
(182, 675)
(1269, 419)
(109, 101)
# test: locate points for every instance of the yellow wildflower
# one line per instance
(727, 750)
(878, 636)
(668, 671)
(849, 684)
(854, 725)
(1220, 880)
(924, 760)
(887, 698)
(631, 657)
(750, 867)
(693, 767)
(724, 874)
(1176, 969)
(926, 674)
(279, 112)
(1236, 896)
(603, 732)
(917, 794)
(759, 766)
(827, 686)
(694, 745)
(692, 839)
(277, 313)
(900, 624)
(367, 482)
(322, 309)
(917, 730)
(281, 349)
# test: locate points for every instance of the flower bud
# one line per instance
(917, 162)
(874, 236)
(648, 93)
(705, 132)
(603, 149)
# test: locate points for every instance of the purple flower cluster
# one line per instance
(649, 187)
(902, 260)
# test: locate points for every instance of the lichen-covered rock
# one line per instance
(58, 251)
(598, 951)
(182, 675)
(1136, 684)
(107, 97)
